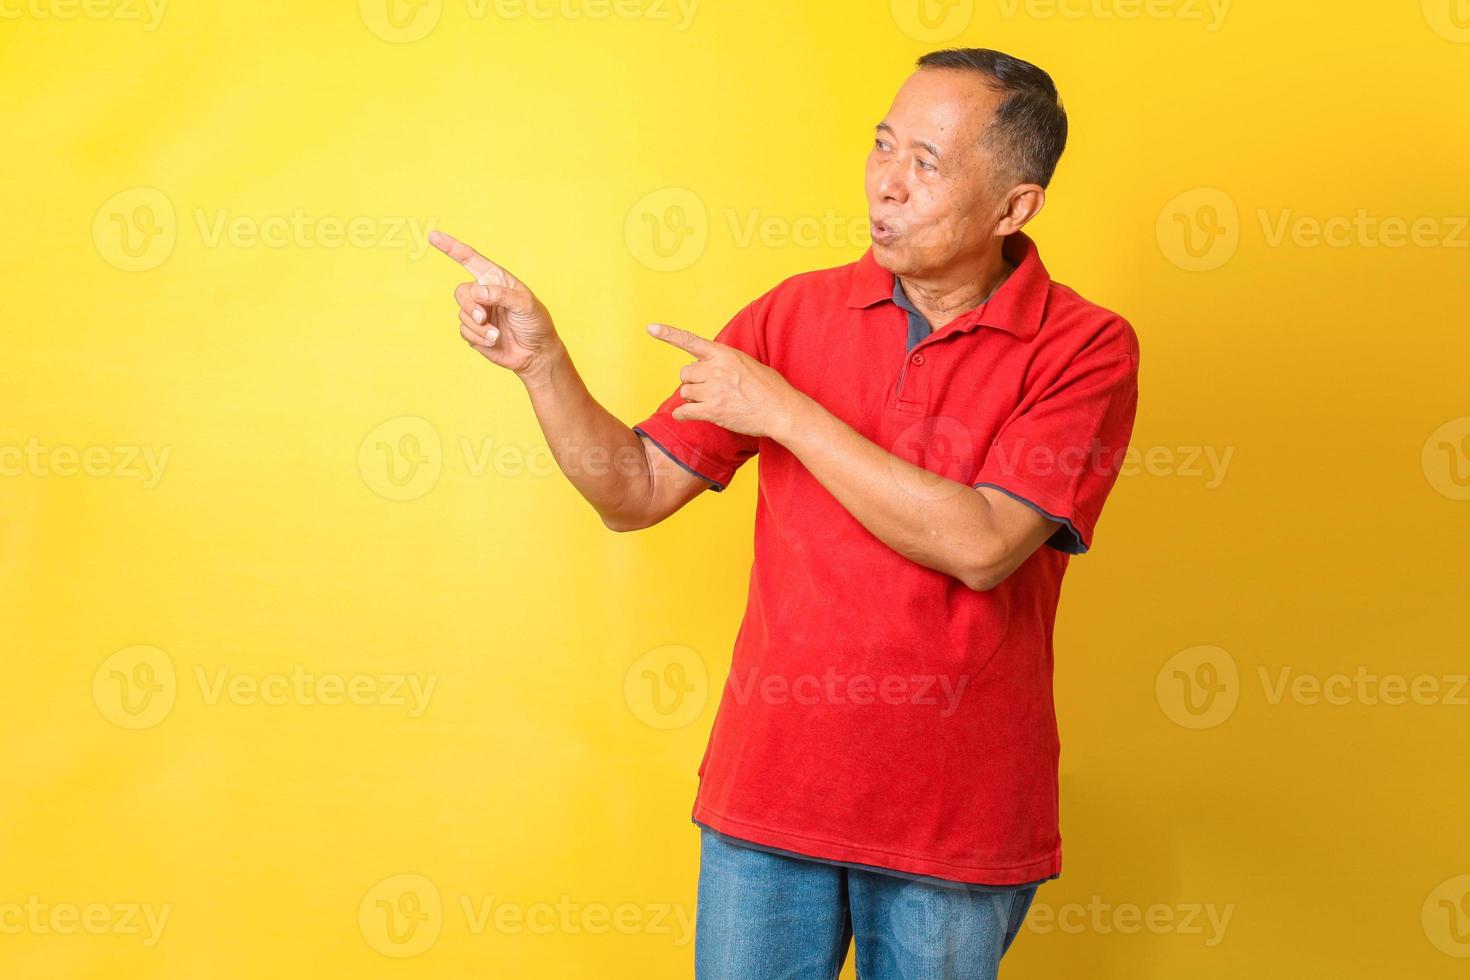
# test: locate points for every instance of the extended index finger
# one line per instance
(461, 253)
(684, 340)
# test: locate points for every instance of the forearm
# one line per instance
(936, 522)
(601, 456)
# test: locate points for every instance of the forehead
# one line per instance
(943, 106)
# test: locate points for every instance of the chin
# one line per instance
(893, 257)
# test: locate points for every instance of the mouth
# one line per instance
(882, 232)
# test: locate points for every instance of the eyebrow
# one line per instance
(884, 127)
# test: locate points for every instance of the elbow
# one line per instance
(986, 571)
(623, 523)
(983, 580)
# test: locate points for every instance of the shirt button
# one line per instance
(917, 359)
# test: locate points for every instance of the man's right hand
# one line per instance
(498, 315)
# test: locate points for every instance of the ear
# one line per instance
(1023, 203)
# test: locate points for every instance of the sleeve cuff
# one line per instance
(1067, 539)
(714, 485)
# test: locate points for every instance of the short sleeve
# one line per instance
(1061, 454)
(709, 451)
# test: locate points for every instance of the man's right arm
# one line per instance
(627, 479)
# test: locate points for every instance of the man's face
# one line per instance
(933, 196)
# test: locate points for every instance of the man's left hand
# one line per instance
(729, 387)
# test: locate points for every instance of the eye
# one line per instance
(880, 144)
(926, 165)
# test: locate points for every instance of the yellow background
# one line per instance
(282, 378)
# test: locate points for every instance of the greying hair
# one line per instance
(1029, 130)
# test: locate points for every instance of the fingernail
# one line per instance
(482, 293)
(655, 329)
(478, 315)
(491, 335)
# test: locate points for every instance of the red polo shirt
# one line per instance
(879, 712)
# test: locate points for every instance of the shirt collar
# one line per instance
(1017, 307)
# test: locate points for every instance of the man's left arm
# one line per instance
(979, 535)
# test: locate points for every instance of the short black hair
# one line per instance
(1029, 130)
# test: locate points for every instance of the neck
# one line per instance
(944, 296)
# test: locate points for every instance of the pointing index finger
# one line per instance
(462, 253)
(684, 340)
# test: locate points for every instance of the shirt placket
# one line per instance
(912, 393)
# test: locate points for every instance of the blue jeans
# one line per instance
(764, 916)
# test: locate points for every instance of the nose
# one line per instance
(892, 181)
